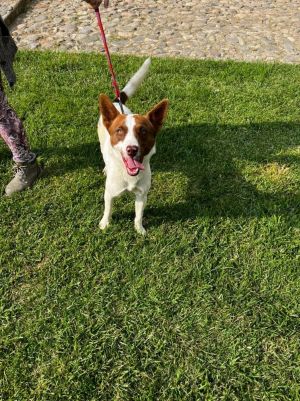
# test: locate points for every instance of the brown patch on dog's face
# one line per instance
(145, 134)
(108, 111)
(147, 127)
(113, 120)
(118, 129)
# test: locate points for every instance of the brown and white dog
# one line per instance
(127, 143)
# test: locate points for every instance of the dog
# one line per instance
(127, 142)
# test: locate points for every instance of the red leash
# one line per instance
(111, 69)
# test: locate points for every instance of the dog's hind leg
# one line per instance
(140, 203)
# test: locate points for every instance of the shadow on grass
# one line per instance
(216, 160)
(72, 158)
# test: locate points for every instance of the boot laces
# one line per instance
(20, 171)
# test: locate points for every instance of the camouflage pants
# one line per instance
(13, 132)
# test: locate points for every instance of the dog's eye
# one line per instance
(119, 131)
(143, 131)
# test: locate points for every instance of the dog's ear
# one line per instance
(107, 110)
(158, 114)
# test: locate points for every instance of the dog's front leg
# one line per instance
(108, 202)
(140, 203)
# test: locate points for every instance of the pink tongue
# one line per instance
(132, 164)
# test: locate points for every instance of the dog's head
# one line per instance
(133, 136)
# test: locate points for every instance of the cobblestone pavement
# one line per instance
(6, 7)
(225, 29)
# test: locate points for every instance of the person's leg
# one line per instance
(13, 134)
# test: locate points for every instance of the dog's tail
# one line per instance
(134, 83)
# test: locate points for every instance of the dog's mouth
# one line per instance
(132, 166)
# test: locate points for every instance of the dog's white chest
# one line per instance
(118, 180)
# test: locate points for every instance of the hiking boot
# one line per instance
(26, 175)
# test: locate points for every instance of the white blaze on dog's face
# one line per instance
(133, 135)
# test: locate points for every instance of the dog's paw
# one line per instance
(140, 229)
(104, 223)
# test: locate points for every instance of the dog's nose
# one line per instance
(132, 150)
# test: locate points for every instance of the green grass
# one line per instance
(206, 307)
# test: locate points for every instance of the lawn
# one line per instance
(206, 306)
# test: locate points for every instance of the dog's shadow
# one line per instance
(216, 161)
